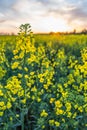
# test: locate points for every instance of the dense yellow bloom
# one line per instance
(9, 105)
(29, 84)
(33, 97)
(1, 113)
(19, 75)
(68, 106)
(21, 93)
(15, 65)
(15, 52)
(1, 93)
(41, 80)
(51, 122)
(46, 86)
(65, 94)
(74, 115)
(34, 89)
(63, 120)
(2, 72)
(32, 59)
(26, 76)
(69, 114)
(2, 104)
(60, 88)
(59, 111)
(61, 54)
(80, 109)
(21, 55)
(23, 101)
(58, 104)
(52, 100)
(26, 69)
(45, 80)
(84, 54)
(31, 73)
(38, 99)
(57, 124)
(14, 86)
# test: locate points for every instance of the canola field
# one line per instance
(43, 82)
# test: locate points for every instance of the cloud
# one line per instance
(5, 5)
(6, 10)
(42, 13)
(2, 21)
(2, 18)
(74, 12)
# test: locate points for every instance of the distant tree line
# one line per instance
(84, 31)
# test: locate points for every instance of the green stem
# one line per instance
(22, 120)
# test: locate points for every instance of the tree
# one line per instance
(25, 28)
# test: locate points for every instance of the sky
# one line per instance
(43, 15)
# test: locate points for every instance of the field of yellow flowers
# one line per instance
(43, 82)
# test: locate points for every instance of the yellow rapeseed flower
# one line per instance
(57, 124)
(43, 114)
(58, 104)
(8, 105)
(1, 113)
(1, 93)
(51, 122)
(52, 100)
